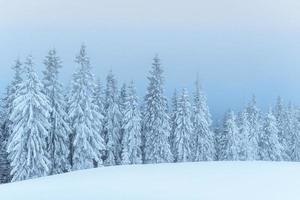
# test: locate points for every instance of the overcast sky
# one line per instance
(237, 47)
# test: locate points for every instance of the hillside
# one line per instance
(186, 181)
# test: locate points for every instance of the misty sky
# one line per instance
(238, 48)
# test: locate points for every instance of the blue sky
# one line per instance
(237, 47)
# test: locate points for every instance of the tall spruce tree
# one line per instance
(14, 85)
(183, 129)
(98, 100)
(203, 137)
(87, 143)
(58, 139)
(6, 102)
(131, 142)
(230, 137)
(293, 131)
(284, 135)
(219, 141)
(156, 127)
(243, 136)
(6, 106)
(173, 114)
(123, 98)
(112, 118)
(269, 145)
(29, 116)
(254, 119)
(4, 162)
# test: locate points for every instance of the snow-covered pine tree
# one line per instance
(254, 119)
(14, 85)
(98, 100)
(244, 131)
(4, 163)
(219, 141)
(131, 142)
(29, 116)
(173, 117)
(58, 139)
(203, 137)
(156, 127)
(230, 137)
(270, 148)
(284, 136)
(6, 102)
(112, 126)
(11, 91)
(293, 130)
(87, 143)
(123, 98)
(183, 129)
(142, 110)
(99, 95)
(6, 106)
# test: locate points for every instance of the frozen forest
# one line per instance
(47, 129)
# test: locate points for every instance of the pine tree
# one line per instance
(143, 136)
(58, 139)
(243, 136)
(4, 162)
(6, 102)
(112, 125)
(281, 115)
(230, 138)
(11, 91)
(14, 85)
(183, 130)
(293, 130)
(219, 141)
(203, 148)
(6, 106)
(255, 129)
(27, 146)
(131, 143)
(156, 127)
(270, 147)
(98, 100)
(173, 123)
(99, 95)
(123, 98)
(87, 143)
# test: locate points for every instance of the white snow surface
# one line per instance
(186, 181)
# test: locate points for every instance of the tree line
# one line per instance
(46, 129)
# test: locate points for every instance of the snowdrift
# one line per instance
(184, 181)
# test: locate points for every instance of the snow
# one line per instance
(187, 181)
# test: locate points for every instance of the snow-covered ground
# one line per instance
(186, 181)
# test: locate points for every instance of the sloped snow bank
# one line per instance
(184, 181)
